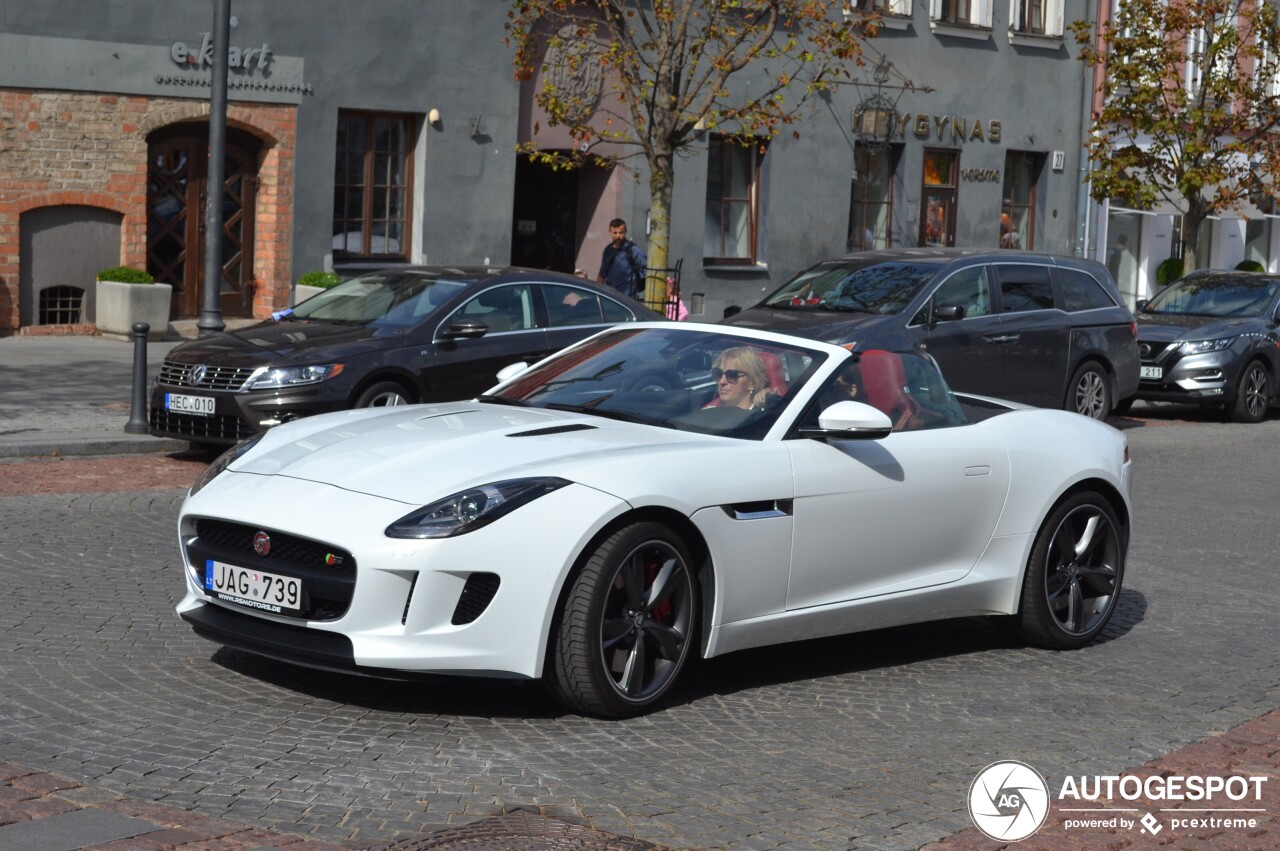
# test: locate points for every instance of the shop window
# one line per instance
(871, 204)
(962, 13)
(1036, 17)
(734, 178)
(1018, 210)
(372, 186)
(938, 198)
(1257, 241)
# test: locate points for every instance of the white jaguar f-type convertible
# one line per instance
(656, 491)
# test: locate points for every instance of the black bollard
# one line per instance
(138, 410)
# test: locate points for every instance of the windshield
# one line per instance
(382, 300)
(673, 378)
(855, 286)
(1213, 295)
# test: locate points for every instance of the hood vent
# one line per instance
(560, 429)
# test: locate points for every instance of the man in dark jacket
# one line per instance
(623, 264)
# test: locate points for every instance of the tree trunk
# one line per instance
(1191, 223)
(661, 182)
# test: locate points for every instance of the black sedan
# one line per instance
(396, 336)
(1211, 338)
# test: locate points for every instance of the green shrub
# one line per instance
(1249, 266)
(126, 275)
(1169, 271)
(323, 280)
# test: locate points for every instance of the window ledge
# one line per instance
(737, 269)
(890, 21)
(969, 31)
(1039, 40)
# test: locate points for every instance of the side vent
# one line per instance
(476, 596)
(560, 429)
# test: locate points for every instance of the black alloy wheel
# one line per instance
(628, 624)
(1074, 575)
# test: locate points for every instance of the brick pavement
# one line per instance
(736, 714)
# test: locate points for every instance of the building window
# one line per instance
(61, 305)
(938, 198)
(964, 13)
(884, 7)
(1036, 17)
(871, 204)
(1197, 42)
(733, 201)
(371, 187)
(1018, 211)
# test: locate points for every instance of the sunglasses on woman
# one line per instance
(732, 374)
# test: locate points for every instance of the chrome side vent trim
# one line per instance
(761, 510)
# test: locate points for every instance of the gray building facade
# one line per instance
(373, 134)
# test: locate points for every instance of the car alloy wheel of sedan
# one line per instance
(1074, 574)
(627, 624)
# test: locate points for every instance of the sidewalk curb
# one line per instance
(71, 445)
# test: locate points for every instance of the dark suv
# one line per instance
(1034, 328)
(1211, 338)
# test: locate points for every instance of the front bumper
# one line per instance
(478, 604)
(237, 416)
(1203, 379)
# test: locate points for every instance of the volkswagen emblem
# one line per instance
(197, 374)
(262, 543)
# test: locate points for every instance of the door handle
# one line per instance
(1000, 339)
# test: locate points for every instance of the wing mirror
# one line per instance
(510, 371)
(948, 313)
(462, 330)
(850, 421)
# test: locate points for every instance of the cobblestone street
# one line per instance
(866, 741)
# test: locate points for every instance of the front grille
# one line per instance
(1151, 352)
(177, 374)
(328, 573)
(475, 598)
(192, 427)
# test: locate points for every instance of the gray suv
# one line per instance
(1034, 328)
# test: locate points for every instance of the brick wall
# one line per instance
(78, 148)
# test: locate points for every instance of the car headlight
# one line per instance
(471, 509)
(1199, 347)
(291, 376)
(222, 462)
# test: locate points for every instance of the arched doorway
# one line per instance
(177, 183)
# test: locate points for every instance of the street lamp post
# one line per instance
(211, 304)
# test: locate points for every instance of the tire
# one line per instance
(1074, 575)
(628, 624)
(1253, 394)
(1090, 392)
(383, 394)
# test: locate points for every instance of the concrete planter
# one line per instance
(121, 305)
(302, 292)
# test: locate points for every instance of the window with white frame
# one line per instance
(1197, 42)
(961, 13)
(884, 7)
(1036, 17)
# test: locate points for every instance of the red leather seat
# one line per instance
(777, 375)
(884, 381)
